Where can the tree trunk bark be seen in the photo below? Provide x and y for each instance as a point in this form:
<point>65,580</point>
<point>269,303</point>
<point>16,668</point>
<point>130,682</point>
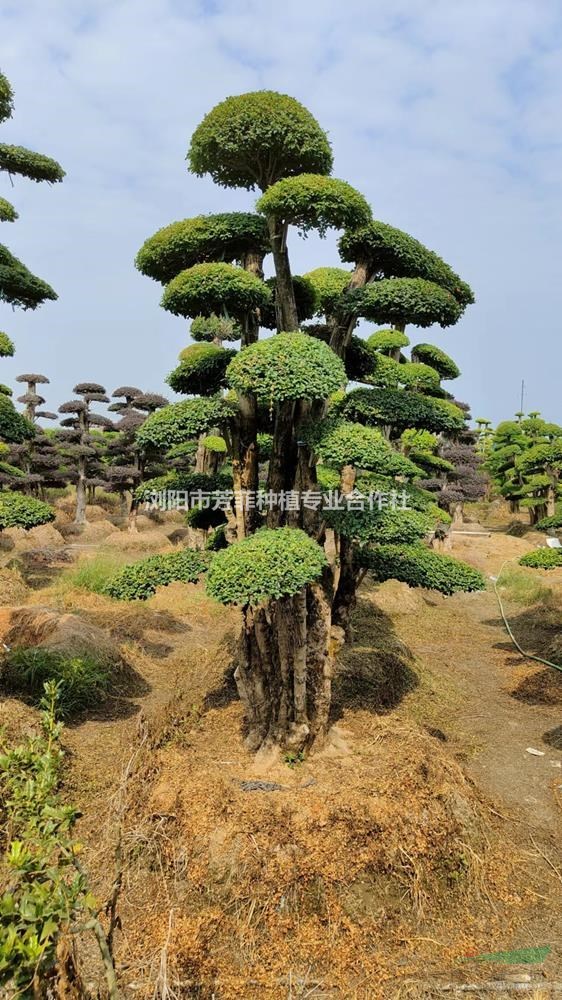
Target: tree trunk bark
<point>285,305</point>
<point>283,463</point>
<point>245,466</point>
<point>342,330</point>
<point>81,498</point>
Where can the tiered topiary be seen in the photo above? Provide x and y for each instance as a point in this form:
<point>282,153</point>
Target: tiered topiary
<point>524,458</point>
<point>286,410</point>
<point>81,446</point>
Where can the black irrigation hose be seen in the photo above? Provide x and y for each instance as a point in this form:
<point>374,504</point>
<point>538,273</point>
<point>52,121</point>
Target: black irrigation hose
<point>528,656</point>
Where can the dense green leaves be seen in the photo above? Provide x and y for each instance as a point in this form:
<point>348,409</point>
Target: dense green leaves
<point>312,201</point>
<point>7,211</point>
<point>382,526</point>
<point>549,522</point>
<point>139,581</point>
<point>338,442</point>
<point>217,328</point>
<point>6,99</point>
<point>419,566</point>
<point>18,285</point>
<point>178,422</point>
<point>14,428</point>
<point>406,300</point>
<point>19,511</point>
<point>6,346</point>
<point>388,340</point>
<point>185,482</point>
<point>226,236</point>
<point>201,370</point>
<point>289,366</point>
<point>438,359</point>
<point>83,681</point>
<point>270,564</point>
<point>255,139</point>
<point>329,283</point>
<point>215,288</point>
<point>402,409</point>
<point>391,253</point>
<point>26,163</point>
<point>542,559</point>
<point>305,301</point>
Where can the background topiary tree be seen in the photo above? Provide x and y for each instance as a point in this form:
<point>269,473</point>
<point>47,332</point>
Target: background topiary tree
<point>281,407</point>
<point>524,459</point>
<point>81,442</point>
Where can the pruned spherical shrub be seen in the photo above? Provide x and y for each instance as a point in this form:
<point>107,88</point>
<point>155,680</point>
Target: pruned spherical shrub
<point>201,371</point>
<point>286,367</point>
<point>215,288</point>
<point>555,521</point>
<point>438,359</point>
<point>546,558</point>
<point>314,201</point>
<point>177,422</point>
<point>388,340</point>
<point>14,427</point>
<point>419,566</point>
<point>406,300</point>
<point>339,442</point>
<point>184,482</point>
<point>329,284</point>
<point>139,581</point>
<point>382,526</point>
<point>272,563</point>
<point>393,253</point>
<point>402,409</point>
<point>385,372</point>
<point>213,327</point>
<point>83,680</point>
<point>226,236</point>
<point>214,443</point>
<point>305,301</point>
<point>6,346</point>
<point>19,511</point>
<point>254,139</point>
<point>416,375</point>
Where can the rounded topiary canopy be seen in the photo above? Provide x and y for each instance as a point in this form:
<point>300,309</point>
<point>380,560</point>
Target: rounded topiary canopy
<point>338,442</point>
<point>328,283</point>
<point>255,139</point>
<point>312,201</point>
<point>26,163</point>
<point>305,301</point>
<point>388,340</point>
<point>419,566</point>
<point>214,443</point>
<point>7,348</point>
<point>6,99</point>
<point>178,422</point>
<point>269,564</point>
<point>381,407</point>
<point>289,366</point>
<point>438,359</point>
<point>226,236</point>
<point>201,371</point>
<point>7,211</point>
<point>208,328</point>
<point>126,390</point>
<point>84,388</point>
<point>417,375</point>
<point>13,426</point>
<point>391,253</point>
<point>215,288</point>
<point>383,526</point>
<point>19,286</point>
<point>18,511</point>
<point>407,300</point>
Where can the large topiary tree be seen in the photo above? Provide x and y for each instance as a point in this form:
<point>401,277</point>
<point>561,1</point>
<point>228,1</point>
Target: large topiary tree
<point>281,407</point>
<point>81,446</point>
<point>524,458</point>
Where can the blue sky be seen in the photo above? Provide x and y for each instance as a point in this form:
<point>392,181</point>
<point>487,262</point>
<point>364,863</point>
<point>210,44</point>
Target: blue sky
<point>446,115</point>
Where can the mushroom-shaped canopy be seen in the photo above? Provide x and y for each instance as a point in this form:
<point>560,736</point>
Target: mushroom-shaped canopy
<point>67,433</point>
<point>386,525</point>
<point>95,481</point>
<point>98,420</point>
<point>438,359</point>
<point>69,422</point>
<point>150,401</point>
<point>419,566</point>
<point>214,443</point>
<point>130,423</point>
<point>339,442</point>
<point>118,407</point>
<point>73,406</point>
<point>396,408</point>
<point>227,236</point>
<point>7,211</point>
<point>87,387</point>
<point>96,397</point>
<point>272,563</point>
<point>305,301</point>
<point>126,390</point>
<point>201,371</point>
<point>406,300</point>
<point>26,163</point>
<point>313,201</point>
<point>6,346</point>
<point>31,399</point>
<point>214,328</point>
<point>417,375</point>
<point>38,379</point>
<point>329,283</point>
<point>178,422</point>
<point>388,340</point>
<point>287,367</point>
<point>215,288</point>
<point>391,253</point>
<point>255,139</point>
<point>18,285</point>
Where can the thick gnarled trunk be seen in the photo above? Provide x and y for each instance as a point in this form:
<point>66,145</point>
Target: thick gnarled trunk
<point>284,670</point>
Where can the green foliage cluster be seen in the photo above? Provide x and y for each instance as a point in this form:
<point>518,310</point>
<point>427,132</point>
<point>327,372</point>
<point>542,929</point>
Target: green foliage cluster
<point>437,359</point>
<point>14,427</point>
<point>406,300</point>
<point>6,346</point>
<point>387,340</point>
<point>83,681</point>
<point>305,301</point>
<point>392,253</point>
<point>7,211</point>
<point>339,442</point>
<point>201,371</point>
<point>18,285</point>
<point>383,526</point>
<point>215,288</point>
<point>524,458</point>
<point>555,521</point>
<point>6,99</point>
<point>19,511</point>
<point>419,566</point>
<point>138,581</point>
<point>416,375</point>
<point>314,201</point>
<point>402,409</point>
<point>45,890</point>
<point>329,284</point>
<point>255,139</point>
<point>542,559</point>
<point>184,482</point>
<point>178,422</point>
<point>286,367</point>
<point>213,327</point>
<point>226,236</point>
<point>35,166</point>
<point>214,443</point>
<point>272,563</point>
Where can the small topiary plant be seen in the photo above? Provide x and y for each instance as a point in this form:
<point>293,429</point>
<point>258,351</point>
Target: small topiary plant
<point>546,523</point>
<point>542,559</point>
<point>286,367</point>
<point>19,511</point>
<point>201,371</point>
<point>421,567</point>
<point>138,581</point>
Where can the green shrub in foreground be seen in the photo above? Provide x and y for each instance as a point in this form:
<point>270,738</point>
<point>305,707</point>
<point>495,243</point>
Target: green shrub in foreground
<point>83,681</point>
<point>419,566</point>
<point>549,522</point>
<point>139,580</point>
<point>542,559</point>
<point>19,511</point>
